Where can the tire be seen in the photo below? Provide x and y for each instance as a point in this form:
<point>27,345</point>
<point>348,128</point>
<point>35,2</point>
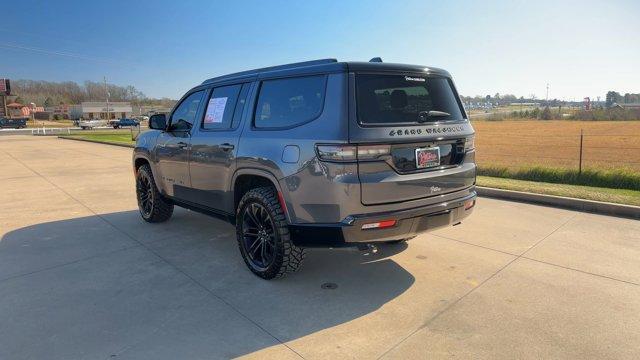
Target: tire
<point>153,207</point>
<point>264,239</point>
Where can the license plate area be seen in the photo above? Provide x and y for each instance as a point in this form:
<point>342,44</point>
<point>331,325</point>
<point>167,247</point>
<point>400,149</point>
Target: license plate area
<point>427,157</point>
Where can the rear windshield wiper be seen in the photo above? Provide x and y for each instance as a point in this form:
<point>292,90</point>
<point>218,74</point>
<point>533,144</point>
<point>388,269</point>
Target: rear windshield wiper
<point>424,116</point>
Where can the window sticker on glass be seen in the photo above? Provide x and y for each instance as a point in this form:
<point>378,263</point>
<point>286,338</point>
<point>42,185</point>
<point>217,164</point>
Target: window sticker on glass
<point>215,110</point>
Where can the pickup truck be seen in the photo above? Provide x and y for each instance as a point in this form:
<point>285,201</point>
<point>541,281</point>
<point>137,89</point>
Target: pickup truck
<point>124,123</point>
<point>13,123</point>
<point>90,124</point>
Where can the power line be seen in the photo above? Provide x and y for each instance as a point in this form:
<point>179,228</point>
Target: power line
<point>60,53</point>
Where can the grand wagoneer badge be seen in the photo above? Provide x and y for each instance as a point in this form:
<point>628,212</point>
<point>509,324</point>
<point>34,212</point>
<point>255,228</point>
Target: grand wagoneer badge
<point>427,130</point>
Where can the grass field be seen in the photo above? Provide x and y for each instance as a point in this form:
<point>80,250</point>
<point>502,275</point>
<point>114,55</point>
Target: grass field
<point>107,137</point>
<point>556,143</point>
<point>620,196</point>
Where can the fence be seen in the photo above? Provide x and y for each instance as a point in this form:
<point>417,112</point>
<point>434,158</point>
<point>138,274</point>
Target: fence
<point>50,131</point>
<point>580,151</point>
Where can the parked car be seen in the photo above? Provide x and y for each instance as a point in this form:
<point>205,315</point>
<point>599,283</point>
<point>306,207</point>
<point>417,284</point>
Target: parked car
<point>124,123</point>
<point>313,154</point>
<point>13,123</point>
<point>90,124</point>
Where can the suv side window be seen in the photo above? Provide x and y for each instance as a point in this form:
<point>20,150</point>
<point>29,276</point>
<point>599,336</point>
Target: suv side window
<point>221,107</point>
<point>184,116</point>
<point>289,102</point>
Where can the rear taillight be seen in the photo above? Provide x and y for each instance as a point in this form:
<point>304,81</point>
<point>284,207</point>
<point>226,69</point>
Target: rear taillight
<point>470,143</point>
<point>373,152</point>
<point>349,153</point>
<point>337,152</point>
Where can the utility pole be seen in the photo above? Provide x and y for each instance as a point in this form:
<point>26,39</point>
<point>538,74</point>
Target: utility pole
<point>106,90</point>
<point>547,99</point>
<point>580,159</point>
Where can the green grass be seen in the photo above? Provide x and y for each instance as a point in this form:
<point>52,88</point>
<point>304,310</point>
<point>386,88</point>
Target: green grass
<point>615,179</point>
<point>619,196</point>
<point>106,137</point>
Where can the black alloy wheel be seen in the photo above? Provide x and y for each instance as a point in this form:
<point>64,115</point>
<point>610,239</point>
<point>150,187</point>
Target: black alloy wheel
<point>145,196</point>
<point>153,206</point>
<point>258,235</point>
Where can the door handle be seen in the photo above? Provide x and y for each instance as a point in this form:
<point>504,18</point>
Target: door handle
<point>182,145</point>
<point>226,146</point>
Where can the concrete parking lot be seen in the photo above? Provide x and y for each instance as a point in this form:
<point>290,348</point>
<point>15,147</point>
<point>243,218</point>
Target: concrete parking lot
<point>83,277</point>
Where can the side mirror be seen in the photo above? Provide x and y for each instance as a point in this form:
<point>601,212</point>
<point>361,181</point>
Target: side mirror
<point>158,122</point>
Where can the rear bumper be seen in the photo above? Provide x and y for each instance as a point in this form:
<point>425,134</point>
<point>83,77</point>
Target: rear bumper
<point>409,222</point>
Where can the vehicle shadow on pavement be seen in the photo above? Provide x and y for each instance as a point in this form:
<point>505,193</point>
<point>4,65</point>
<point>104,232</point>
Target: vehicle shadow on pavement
<point>114,286</point>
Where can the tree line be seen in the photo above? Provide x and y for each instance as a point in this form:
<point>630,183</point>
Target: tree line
<point>48,93</point>
<point>557,113</point>
<point>614,97</point>
<point>499,99</point>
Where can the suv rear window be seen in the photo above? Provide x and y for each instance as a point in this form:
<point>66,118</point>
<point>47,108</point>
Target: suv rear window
<point>394,99</point>
<point>289,102</point>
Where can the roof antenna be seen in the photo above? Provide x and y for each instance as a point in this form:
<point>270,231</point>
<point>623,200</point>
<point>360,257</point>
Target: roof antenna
<point>376,59</point>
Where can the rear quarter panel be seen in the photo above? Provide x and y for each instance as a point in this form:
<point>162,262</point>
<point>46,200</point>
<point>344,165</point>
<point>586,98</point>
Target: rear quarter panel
<point>263,149</point>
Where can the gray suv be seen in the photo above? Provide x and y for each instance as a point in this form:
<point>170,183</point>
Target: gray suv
<point>313,154</point>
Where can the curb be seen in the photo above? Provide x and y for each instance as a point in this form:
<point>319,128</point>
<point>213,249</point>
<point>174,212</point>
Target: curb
<point>96,141</point>
<point>596,207</point>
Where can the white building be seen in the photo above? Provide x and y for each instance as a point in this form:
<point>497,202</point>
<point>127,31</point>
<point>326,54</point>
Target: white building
<point>98,110</point>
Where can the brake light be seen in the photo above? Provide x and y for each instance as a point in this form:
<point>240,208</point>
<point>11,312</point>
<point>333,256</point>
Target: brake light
<point>349,153</point>
<point>470,143</point>
<point>337,152</point>
<point>379,225</point>
<point>372,152</point>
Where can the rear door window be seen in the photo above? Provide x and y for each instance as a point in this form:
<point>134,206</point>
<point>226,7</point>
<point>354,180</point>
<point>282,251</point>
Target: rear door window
<point>289,102</point>
<point>394,99</point>
<point>221,107</point>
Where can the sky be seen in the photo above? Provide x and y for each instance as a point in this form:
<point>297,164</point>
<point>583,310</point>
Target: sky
<point>163,48</point>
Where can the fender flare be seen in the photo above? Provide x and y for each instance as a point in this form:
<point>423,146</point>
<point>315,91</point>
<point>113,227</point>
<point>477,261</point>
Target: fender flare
<point>271,177</point>
<point>141,155</point>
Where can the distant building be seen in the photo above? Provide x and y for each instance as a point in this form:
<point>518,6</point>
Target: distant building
<point>62,111</point>
<point>98,110</point>
<point>18,110</point>
<point>149,110</point>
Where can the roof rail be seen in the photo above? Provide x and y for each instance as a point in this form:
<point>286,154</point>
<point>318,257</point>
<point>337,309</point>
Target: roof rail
<point>272,68</point>
<point>297,65</point>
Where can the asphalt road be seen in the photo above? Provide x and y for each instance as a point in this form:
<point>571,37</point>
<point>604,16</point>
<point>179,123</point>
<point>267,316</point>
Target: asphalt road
<point>83,277</point>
